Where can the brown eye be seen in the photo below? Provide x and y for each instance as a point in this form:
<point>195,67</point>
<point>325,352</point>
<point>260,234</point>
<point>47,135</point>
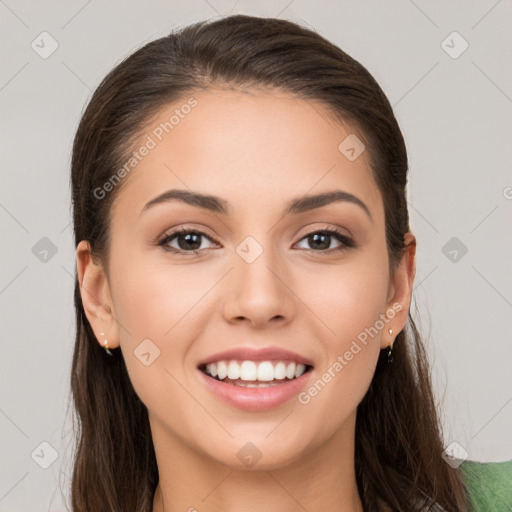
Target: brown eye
<point>321,241</point>
<point>188,241</point>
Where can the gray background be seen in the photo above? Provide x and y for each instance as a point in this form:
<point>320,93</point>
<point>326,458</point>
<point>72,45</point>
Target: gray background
<point>455,114</point>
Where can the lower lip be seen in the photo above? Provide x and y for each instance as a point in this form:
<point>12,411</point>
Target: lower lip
<point>255,399</point>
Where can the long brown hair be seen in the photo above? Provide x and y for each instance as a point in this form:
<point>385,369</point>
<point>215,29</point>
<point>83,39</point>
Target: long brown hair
<point>398,455</point>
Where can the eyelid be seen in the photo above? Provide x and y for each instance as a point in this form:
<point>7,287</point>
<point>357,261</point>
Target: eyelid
<point>186,228</point>
<point>174,232</point>
<point>329,227</point>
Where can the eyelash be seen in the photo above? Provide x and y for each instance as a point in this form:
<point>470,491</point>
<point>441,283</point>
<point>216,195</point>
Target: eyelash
<point>346,242</point>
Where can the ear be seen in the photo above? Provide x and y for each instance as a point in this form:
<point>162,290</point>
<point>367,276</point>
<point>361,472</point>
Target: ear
<point>400,290</point>
<point>96,297</point>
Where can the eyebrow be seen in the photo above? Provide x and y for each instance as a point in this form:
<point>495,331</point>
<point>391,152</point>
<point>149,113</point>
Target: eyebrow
<point>217,205</point>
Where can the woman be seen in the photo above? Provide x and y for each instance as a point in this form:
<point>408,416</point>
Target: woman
<point>244,276</point>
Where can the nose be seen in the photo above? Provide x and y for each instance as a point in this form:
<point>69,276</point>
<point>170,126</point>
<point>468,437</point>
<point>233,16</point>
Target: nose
<point>258,293</point>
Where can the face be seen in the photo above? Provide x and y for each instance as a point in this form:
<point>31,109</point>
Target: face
<point>256,269</point>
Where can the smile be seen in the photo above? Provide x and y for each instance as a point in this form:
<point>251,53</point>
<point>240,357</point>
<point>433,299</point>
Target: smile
<point>255,386</point>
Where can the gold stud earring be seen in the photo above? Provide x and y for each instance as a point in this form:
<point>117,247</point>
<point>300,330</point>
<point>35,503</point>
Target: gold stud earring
<point>107,350</point>
<point>390,351</point>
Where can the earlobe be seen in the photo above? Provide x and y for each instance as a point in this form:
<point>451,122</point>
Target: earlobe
<point>96,297</point>
<point>401,290</point>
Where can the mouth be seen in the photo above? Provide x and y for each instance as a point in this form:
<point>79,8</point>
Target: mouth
<point>255,379</point>
<point>254,374</point>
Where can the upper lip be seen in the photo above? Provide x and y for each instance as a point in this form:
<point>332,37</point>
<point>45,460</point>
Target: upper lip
<point>256,354</point>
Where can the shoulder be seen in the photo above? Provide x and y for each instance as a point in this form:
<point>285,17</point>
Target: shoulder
<point>488,484</point>
<point>488,487</point>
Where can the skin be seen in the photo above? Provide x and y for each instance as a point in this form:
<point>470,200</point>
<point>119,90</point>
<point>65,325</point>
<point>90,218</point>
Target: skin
<point>257,150</point>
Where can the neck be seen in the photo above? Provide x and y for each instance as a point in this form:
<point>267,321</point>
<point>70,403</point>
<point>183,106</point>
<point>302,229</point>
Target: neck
<point>321,479</point>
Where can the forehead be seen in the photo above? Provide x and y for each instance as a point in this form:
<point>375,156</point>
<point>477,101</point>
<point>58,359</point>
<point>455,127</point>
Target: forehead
<point>247,144</point>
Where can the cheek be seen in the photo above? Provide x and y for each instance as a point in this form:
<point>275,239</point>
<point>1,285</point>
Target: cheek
<point>349,360</point>
<point>152,304</point>
<point>348,298</point>
<point>152,297</point>
<point>160,308</point>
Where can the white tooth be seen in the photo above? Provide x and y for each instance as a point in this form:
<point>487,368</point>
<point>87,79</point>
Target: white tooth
<point>265,371</point>
<point>279,371</point>
<point>222,370</point>
<point>233,370</point>
<point>290,370</point>
<point>248,371</point>
<point>300,370</point>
